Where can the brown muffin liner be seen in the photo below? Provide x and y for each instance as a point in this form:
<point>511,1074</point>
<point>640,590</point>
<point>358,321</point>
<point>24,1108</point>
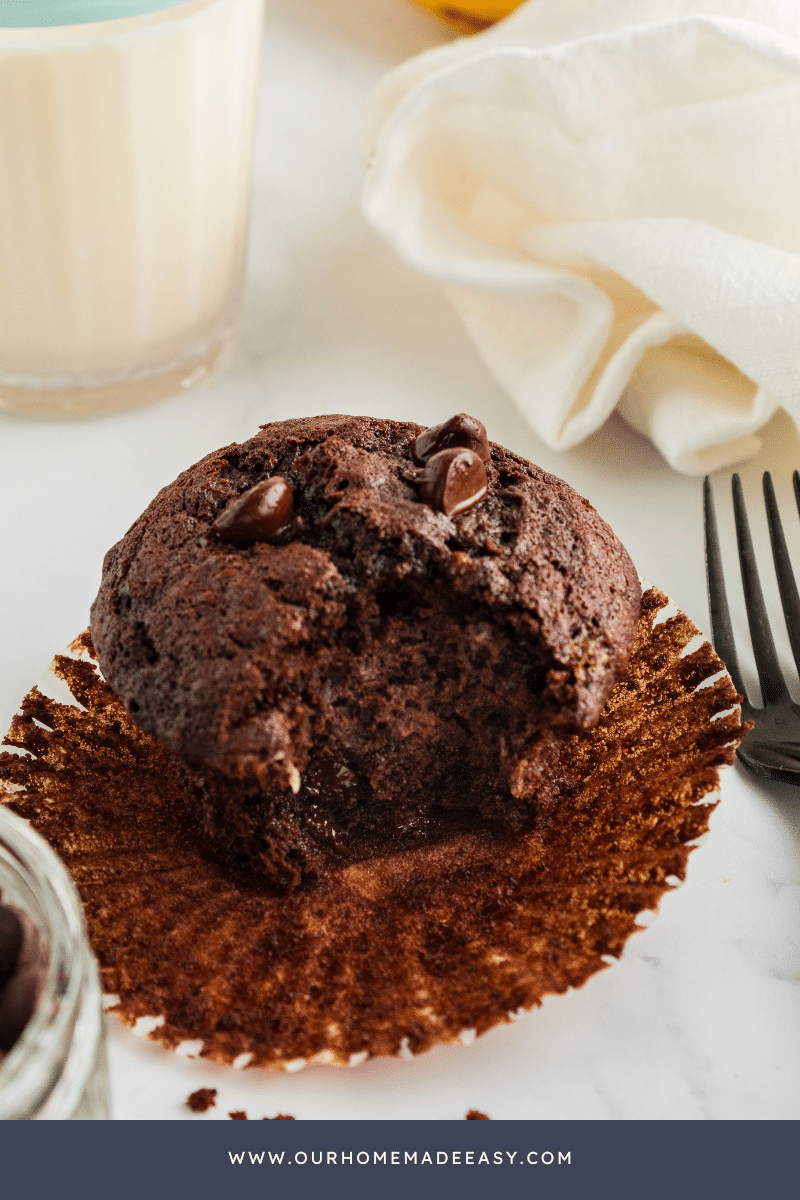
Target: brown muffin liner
<point>395,954</point>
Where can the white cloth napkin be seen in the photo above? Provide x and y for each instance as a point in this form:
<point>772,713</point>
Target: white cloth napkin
<point>610,190</point>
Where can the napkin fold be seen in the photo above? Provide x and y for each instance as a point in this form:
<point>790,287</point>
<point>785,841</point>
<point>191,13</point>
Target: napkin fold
<point>610,193</point>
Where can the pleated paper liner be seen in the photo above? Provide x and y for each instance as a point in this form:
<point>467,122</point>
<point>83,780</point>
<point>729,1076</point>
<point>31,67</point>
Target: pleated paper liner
<point>395,954</point>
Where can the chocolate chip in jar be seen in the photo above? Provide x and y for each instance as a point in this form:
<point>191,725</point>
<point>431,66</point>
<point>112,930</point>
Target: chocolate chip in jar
<point>10,942</point>
<point>23,969</point>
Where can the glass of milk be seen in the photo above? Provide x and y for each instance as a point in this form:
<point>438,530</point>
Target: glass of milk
<point>126,140</point>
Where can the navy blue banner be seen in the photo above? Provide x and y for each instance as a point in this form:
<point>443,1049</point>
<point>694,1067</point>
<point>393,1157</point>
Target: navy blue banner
<point>325,1160</point>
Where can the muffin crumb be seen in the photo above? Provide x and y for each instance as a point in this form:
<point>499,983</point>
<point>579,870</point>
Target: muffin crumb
<point>202,1100</point>
<point>239,1115</point>
<point>475,1114</point>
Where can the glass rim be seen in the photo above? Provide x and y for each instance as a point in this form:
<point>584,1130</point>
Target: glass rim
<point>41,14</point>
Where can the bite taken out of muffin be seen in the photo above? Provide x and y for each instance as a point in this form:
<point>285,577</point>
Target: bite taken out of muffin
<point>359,636</point>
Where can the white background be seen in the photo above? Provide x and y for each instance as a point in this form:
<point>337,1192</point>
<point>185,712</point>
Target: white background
<point>700,1018</point>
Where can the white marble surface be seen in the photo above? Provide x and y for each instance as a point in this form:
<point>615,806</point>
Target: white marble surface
<point>700,1018</point>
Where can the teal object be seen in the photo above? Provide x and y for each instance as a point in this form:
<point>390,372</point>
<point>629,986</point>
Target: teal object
<point>29,14</point>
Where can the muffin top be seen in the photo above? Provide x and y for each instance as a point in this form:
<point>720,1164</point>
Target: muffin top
<point>310,580</point>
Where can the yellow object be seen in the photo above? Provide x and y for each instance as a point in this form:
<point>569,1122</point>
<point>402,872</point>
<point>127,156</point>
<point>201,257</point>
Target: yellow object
<point>470,16</point>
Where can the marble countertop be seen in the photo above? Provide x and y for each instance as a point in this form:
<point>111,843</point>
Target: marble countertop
<point>699,1020</point>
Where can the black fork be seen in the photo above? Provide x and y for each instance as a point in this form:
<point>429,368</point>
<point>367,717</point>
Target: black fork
<point>772,748</point>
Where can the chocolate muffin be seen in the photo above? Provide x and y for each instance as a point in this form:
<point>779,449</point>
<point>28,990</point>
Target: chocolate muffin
<point>359,636</point>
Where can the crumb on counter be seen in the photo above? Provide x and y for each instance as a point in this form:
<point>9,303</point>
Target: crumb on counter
<point>280,1117</point>
<point>202,1100</point>
<point>238,1116</point>
<point>475,1114</point>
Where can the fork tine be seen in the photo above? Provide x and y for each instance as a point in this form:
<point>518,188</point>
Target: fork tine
<point>721,629</point>
<point>783,569</point>
<point>773,687</point>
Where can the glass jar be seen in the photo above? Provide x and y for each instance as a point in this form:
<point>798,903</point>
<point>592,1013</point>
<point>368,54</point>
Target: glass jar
<point>127,140</point>
<point>57,1068</point>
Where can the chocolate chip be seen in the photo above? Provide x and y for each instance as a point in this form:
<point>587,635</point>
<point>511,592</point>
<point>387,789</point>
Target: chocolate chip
<point>452,481</point>
<point>257,515</point>
<point>10,942</point>
<point>19,994</point>
<point>461,430</point>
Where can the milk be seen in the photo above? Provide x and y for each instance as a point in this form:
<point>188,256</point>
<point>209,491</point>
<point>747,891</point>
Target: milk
<point>125,166</point>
